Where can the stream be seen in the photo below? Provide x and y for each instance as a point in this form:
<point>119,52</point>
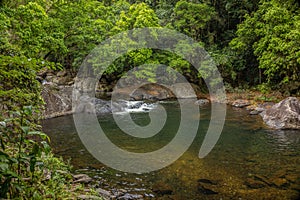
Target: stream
<point>249,160</point>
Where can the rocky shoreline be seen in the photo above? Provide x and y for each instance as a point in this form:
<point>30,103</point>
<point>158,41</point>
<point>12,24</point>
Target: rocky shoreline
<point>58,102</point>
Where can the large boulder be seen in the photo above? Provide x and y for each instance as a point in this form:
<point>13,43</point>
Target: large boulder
<point>153,91</point>
<point>58,100</point>
<point>283,115</point>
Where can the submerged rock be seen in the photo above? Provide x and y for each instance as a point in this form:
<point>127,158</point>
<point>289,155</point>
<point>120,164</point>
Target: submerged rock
<point>162,189</point>
<point>205,190</point>
<point>203,180</point>
<point>283,115</point>
<point>254,184</point>
<point>202,102</point>
<point>204,186</point>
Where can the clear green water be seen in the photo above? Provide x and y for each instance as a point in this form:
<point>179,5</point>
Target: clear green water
<point>249,161</point>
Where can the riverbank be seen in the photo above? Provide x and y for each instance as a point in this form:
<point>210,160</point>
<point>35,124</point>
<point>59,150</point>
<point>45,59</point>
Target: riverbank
<point>58,98</point>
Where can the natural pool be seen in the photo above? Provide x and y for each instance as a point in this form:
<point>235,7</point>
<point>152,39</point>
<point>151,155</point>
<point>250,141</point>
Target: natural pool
<point>249,160</point>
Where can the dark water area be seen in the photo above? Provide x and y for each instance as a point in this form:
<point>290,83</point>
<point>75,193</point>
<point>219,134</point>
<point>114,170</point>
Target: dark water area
<point>249,160</point>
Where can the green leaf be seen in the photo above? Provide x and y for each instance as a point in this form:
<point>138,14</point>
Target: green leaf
<point>46,146</point>
<point>40,134</point>
<point>25,129</point>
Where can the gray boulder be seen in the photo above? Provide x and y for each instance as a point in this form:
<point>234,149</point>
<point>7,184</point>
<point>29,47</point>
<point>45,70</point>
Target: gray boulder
<point>283,115</point>
<point>240,103</point>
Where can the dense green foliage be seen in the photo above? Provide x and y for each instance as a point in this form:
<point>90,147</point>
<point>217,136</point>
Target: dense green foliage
<point>28,169</point>
<point>263,35</point>
<point>272,35</point>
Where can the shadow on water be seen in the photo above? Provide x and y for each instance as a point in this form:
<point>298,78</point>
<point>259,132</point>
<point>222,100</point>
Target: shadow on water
<point>248,162</point>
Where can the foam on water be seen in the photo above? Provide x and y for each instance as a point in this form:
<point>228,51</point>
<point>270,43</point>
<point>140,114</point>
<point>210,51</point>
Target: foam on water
<point>139,106</point>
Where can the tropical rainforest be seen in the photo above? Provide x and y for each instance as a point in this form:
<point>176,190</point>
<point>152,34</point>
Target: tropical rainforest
<point>255,44</point>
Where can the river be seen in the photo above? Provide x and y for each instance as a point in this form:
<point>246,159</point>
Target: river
<point>249,160</point>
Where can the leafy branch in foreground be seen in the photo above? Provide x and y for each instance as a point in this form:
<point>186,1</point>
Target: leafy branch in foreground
<point>28,169</point>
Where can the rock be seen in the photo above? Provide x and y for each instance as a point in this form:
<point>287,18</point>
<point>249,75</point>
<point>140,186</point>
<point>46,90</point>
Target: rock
<point>292,177</point>
<point>58,100</point>
<point>61,80</point>
<point>280,182</point>
<point>49,78</point>
<point>201,102</point>
<point>43,72</point>
<point>88,197</point>
<point>85,85</point>
<point>162,189</point>
<point>130,196</point>
<point>254,112</point>
<point>149,195</point>
<point>81,178</point>
<point>184,90</point>
<point>240,103</point>
<point>85,104</point>
<point>262,179</point>
<point>152,92</point>
<point>257,110</point>
<point>206,181</point>
<point>205,190</point>
<point>103,192</point>
<point>283,115</point>
<point>254,184</point>
<point>204,186</point>
<point>62,73</point>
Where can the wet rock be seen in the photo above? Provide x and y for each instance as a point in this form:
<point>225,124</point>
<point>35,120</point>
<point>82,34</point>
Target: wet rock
<point>205,189</point>
<point>256,111</point>
<point>103,192</point>
<point>205,186</point>
<point>262,179</point>
<point>280,182</point>
<point>202,102</point>
<point>130,197</point>
<point>240,103</point>
<point>85,104</point>
<point>283,115</point>
<point>203,180</point>
<point>81,178</point>
<point>149,195</point>
<point>89,197</point>
<point>292,177</point>
<point>254,184</point>
<point>162,189</point>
